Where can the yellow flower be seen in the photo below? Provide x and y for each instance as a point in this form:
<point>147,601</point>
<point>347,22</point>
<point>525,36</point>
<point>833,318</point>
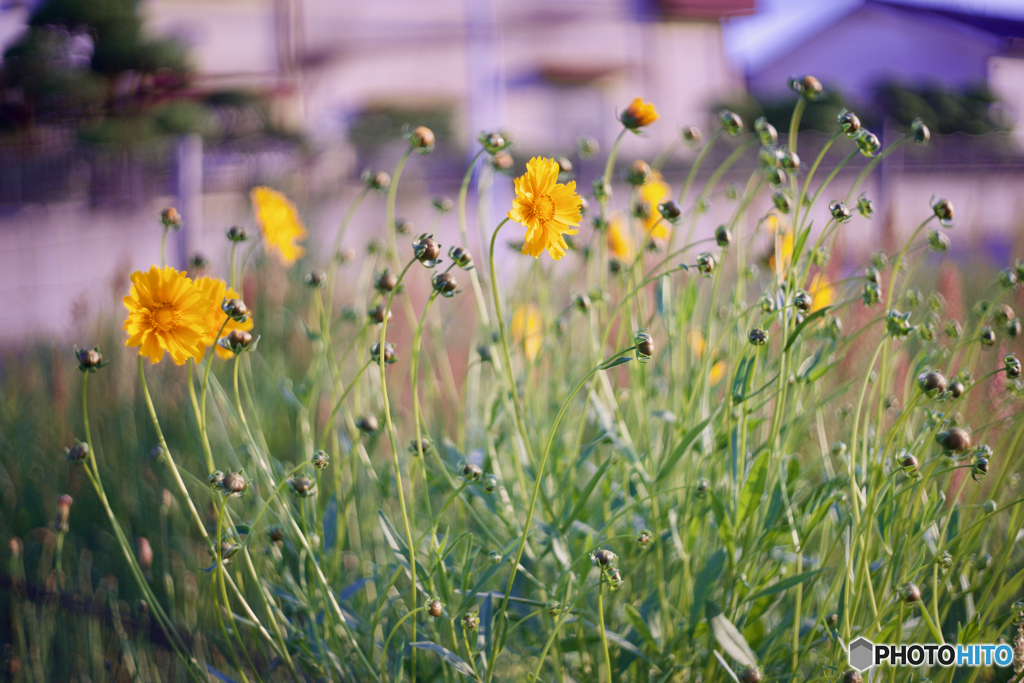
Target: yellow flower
<point>214,292</point>
<point>526,329</point>
<point>639,114</point>
<point>166,312</point>
<point>786,249</point>
<point>821,290</point>
<point>282,227</point>
<point>619,242</point>
<point>653,193</point>
<point>717,373</point>
<point>546,208</point>
<point>697,343</point>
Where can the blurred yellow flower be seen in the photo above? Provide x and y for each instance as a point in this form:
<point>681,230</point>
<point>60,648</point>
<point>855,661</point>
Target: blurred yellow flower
<point>639,114</point>
<point>526,329</point>
<point>696,341</point>
<point>786,249</point>
<point>282,227</point>
<point>652,193</point>
<point>717,373</point>
<point>546,208</point>
<point>166,312</point>
<point>214,292</point>
<point>619,242</point>
<point>772,221</point>
<point>821,291</point>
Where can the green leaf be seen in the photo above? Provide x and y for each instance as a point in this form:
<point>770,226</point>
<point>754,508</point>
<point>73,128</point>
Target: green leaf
<point>581,502</point>
<point>703,583</point>
<point>636,620</point>
<point>687,302</point>
<point>621,360</point>
<point>729,637</point>
<point>680,449</point>
<point>753,489</point>
<point>780,586</point>
<point>447,655</point>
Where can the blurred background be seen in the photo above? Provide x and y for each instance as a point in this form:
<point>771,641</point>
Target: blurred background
<point>111,110</point>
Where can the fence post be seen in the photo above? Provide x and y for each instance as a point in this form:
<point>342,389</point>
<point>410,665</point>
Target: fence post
<point>189,189</point>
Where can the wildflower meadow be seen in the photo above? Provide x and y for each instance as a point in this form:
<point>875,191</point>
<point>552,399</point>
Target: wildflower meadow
<point>610,441</point>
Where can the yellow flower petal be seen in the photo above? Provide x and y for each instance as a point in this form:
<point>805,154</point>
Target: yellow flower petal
<point>619,243</point>
<point>279,220</point>
<point>717,373</point>
<point>526,329</point>
<point>546,208</point>
<point>165,313</point>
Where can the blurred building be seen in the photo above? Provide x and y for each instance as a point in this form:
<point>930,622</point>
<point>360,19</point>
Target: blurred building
<point>550,71</point>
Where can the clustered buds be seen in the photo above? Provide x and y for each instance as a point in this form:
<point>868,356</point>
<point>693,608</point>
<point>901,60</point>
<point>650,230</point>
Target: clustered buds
<point>427,251</point>
<point>89,360</point>
<point>644,346</point>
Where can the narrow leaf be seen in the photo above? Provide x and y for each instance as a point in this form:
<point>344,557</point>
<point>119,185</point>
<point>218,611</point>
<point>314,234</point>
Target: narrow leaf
<point>447,655</point>
<point>729,637</point>
<point>753,489</point>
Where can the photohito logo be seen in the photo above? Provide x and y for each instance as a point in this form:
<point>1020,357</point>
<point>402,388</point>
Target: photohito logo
<point>863,654</point>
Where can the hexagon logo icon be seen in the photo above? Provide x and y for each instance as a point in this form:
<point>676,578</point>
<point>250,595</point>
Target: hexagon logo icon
<point>862,654</point>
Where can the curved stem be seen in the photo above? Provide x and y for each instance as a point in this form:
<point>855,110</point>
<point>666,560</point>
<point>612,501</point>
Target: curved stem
<point>202,397</point>
<point>334,412</point>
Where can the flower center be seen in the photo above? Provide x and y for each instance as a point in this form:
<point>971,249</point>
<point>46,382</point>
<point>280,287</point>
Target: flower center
<point>543,207</point>
<point>164,317</point>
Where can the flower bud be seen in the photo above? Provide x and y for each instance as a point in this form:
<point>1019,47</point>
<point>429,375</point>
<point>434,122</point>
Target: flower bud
<point>897,325</point>
<point>956,389</point>
<point>492,142</point>
<point>723,236</point>
<point>144,551</point>
<point>938,242</point>
<point>320,460</point>
<point>920,132</point>
<point>638,114</point>
<point>706,263</point>
<point>644,346</point>
<point>237,233</point>
<point>198,262</point>
<point>807,87</point>
<point>803,300</point>
<point>731,122</point>
<point>367,424</point>
<point>442,204</point>
<point>376,180</point>
<point>758,336</point>
<point>421,139</point>
<point>60,522</point>
<point>670,211</point>
<point>908,463</point>
<point>848,122</point>
<point>989,507</point>
<point>379,313</point>
<point>751,675</point>
<point>461,257</point>
<point>782,201</point>
<point>471,472</point>
<point>316,279</point>
<point>142,608</point>
<point>766,131</point>
<point>833,327</point>
<point>233,484</point>
<point>78,453</point>
<point>427,251</point>
<point>988,336</point>
<point>691,135</point>
<point>868,142</point>
<point>303,487</point>
<point>979,467</point>
<point>435,608</point>
<point>1013,327</point>
<point>89,360</point>
<point>911,593</point>
<point>775,176</point>
<point>604,558</point>
<point>469,621</point>
<point>644,539</point>
<point>853,676</point>
<point>385,281</point>
<point>872,294</point>
<point>865,206</point>
<point>445,284</point>
<point>932,383</point>
<point>485,353</point>
<point>171,219</point>
<point>587,147</point>
<point>581,302</point>
<point>840,214</point>
<point>502,162</point>
<point>275,534</point>
<point>346,255</point>
<point>1003,314</point>
<point>955,440</point>
<point>1012,366</point>
<point>1007,278</point>
<point>638,172</point>
<point>235,309</point>
<point>790,160</point>
<point>490,483</point>
<point>943,211</point>
<point>702,487</point>
<point>423,445</point>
